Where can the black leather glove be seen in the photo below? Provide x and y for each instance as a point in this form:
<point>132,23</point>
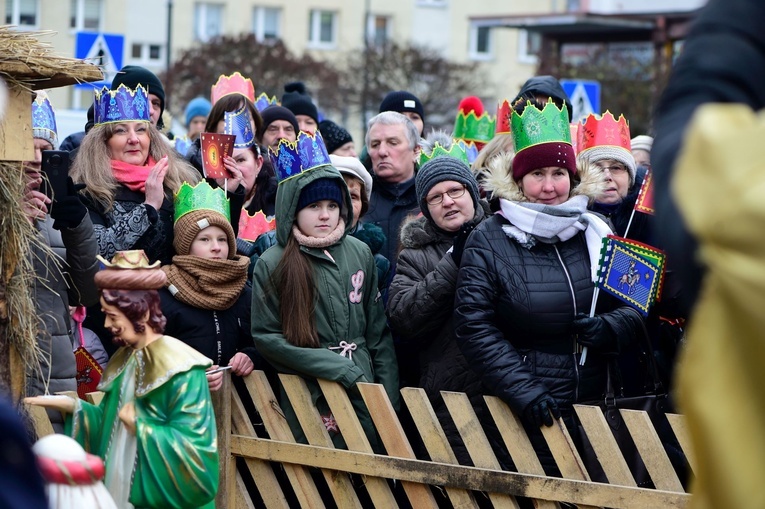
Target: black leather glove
<point>68,211</point>
<point>593,332</point>
<point>538,411</point>
<point>459,241</point>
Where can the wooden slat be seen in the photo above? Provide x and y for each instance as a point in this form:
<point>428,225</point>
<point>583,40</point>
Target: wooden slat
<point>435,441</point>
<point>241,499</point>
<point>278,429</point>
<point>604,444</point>
<point>552,488</point>
<point>475,440</point>
<point>40,420</point>
<point>394,439</point>
<point>651,450</point>
<point>94,397</point>
<point>261,471</point>
<point>356,439</point>
<point>680,428</point>
<point>221,401</point>
<point>517,443</point>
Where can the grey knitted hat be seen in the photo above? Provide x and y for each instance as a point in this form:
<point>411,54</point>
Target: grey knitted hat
<point>438,170</point>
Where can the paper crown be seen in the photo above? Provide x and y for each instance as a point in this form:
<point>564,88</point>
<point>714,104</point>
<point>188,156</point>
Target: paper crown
<point>604,131</point>
<point>239,123</point>
<point>474,128</point>
<point>44,118</point>
<point>182,144</point>
<point>121,105</point>
<point>132,259</point>
<point>200,197</point>
<point>252,227</point>
<point>471,150</point>
<point>263,101</point>
<point>458,150</point>
<point>576,135</point>
<point>294,157</point>
<point>504,114</point>
<point>534,126</point>
<point>233,84</point>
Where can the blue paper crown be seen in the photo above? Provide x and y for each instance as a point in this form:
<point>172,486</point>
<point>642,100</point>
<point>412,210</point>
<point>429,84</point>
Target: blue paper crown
<point>263,101</point>
<point>291,158</point>
<point>239,124</point>
<point>471,151</point>
<point>121,105</point>
<point>44,118</point>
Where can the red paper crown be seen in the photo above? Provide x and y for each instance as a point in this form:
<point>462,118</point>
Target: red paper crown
<point>576,136</point>
<point>504,112</point>
<point>604,131</point>
<point>234,84</point>
<point>251,227</point>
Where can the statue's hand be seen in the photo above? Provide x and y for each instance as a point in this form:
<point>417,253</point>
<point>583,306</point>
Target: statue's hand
<point>55,402</point>
<point>127,416</point>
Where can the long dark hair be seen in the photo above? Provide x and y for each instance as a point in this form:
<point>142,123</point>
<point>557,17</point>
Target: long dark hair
<point>231,102</point>
<point>295,284</point>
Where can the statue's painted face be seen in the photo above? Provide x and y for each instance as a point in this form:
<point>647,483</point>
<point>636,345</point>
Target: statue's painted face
<point>120,326</point>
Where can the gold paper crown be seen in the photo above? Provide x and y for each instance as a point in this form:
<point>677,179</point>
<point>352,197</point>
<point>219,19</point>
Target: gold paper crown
<point>233,84</point>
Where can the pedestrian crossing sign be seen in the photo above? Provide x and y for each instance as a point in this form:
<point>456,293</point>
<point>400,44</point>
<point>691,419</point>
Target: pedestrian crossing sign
<point>104,50</point>
<point>584,96</point>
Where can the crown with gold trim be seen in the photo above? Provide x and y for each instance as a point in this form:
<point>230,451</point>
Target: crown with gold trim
<point>291,158</point>
<point>263,101</point>
<point>504,114</point>
<point>233,84</point>
<point>200,197</point>
<point>576,137</point>
<point>535,126</point>
<point>472,122</point>
<point>253,226</point>
<point>121,105</point>
<point>471,150</point>
<point>457,150</point>
<point>604,131</point>
<point>239,124</point>
<point>44,119</point>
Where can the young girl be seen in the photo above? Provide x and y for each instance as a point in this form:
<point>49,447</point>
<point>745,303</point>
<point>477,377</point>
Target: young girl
<point>316,308</point>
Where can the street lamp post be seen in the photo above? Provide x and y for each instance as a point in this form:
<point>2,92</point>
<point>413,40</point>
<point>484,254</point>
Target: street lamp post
<point>168,51</point>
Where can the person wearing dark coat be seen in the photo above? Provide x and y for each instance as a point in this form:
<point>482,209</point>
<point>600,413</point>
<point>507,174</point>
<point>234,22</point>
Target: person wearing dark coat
<point>538,90</point>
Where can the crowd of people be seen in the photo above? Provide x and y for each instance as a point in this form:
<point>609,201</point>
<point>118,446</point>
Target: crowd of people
<point>418,258</point>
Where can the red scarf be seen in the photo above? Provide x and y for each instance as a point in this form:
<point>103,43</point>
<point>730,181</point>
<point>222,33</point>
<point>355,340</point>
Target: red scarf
<point>132,176</point>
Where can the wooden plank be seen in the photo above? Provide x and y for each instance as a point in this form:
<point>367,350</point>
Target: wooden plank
<point>517,443</point>
<point>394,439</point>
<point>604,444</point>
<point>475,440</point>
<point>680,428</point>
<point>435,441</point>
<point>310,421</point>
<point>356,439</point>
<point>278,429</point>
<point>261,471</point>
<point>531,486</point>
<point>651,450</point>
<point>16,144</point>
<point>40,420</point>
<point>94,397</point>
<point>242,499</point>
<point>221,400</point>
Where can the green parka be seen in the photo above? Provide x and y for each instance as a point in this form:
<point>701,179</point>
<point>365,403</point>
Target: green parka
<point>348,308</point>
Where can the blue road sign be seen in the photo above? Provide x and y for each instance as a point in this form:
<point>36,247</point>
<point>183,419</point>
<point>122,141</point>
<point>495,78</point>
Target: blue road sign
<point>104,50</point>
<point>584,96</point>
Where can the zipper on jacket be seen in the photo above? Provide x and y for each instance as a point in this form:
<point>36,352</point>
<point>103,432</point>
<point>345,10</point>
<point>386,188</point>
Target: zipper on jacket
<point>573,300</point>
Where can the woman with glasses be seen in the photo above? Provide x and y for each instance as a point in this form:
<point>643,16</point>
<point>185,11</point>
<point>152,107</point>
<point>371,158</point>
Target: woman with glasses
<point>421,295</point>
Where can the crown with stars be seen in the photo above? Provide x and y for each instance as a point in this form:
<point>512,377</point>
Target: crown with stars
<point>263,101</point>
<point>233,84</point>
<point>291,158</point>
<point>535,126</point>
<point>121,105</point>
<point>253,226</point>
<point>202,196</point>
<point>239,123</point>
<point>44,118</point>
<point>604,131</point>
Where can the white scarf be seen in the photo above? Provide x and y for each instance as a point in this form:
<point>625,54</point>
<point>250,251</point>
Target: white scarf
<point>537,222</point>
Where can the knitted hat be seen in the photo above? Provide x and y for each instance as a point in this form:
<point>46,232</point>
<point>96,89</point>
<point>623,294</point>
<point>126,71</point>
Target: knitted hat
<point>352,166</point>
<point>334,135</point>
<point>189,225</point>
<point>197,107</point>
<point>440,169</point>
<point>298,101</point>
<point>642,142</point>
<point>132,75</point>
<point>275,112</point>
<point>320,189</point>
<point>402,101</point>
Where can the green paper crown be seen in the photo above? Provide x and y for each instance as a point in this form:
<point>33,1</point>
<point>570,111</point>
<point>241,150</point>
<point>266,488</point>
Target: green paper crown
<point>472,128</point>
<point>200,197</point>
<point>455,151</point>
<point>534,127</point>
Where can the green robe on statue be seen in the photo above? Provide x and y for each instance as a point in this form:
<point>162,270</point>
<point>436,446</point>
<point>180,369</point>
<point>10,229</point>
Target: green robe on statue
<point>172,461</point>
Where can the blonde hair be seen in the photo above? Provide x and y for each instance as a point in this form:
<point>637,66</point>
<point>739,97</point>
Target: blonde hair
<point>500,143</point>
<point>92,166</point>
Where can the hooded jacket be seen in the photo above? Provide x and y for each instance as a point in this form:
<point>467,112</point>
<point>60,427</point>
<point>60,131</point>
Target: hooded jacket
<point>544,86</point>
<point>348,309</point>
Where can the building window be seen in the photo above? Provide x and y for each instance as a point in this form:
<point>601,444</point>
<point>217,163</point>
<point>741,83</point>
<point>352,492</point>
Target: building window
<point>86,15</point>
<point>378,28</point>
<point>322,30</point>
<point>266,22</point>
<point>481,43</point>
<point>145,53</point>
<point>208,21</point>
<point>431,3</point>
<point>22,13</point>
<point>529,46</point>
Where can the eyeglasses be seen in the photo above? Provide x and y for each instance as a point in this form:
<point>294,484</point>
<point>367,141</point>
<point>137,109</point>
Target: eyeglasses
<point>454,193</point>
<point>614,170</point>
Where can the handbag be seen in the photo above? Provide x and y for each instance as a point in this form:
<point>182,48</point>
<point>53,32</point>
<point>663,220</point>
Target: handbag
<point>656,403</point>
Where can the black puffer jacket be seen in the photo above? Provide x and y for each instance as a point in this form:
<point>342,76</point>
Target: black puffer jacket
<point>513,312</point>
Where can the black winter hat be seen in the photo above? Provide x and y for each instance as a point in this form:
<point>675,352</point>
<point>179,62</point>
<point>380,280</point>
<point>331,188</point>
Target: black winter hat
<point>133,75</point>
<point>276,112</point>
<point>402,101</point>
<point>297,100</point>
<point>320,189</point>
<point>335,136</point>
<point>440,169</point>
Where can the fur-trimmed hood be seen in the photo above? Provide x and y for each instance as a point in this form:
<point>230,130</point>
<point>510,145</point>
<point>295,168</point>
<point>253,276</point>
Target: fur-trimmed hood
<point>419,232</point>
<point>498,180</point>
